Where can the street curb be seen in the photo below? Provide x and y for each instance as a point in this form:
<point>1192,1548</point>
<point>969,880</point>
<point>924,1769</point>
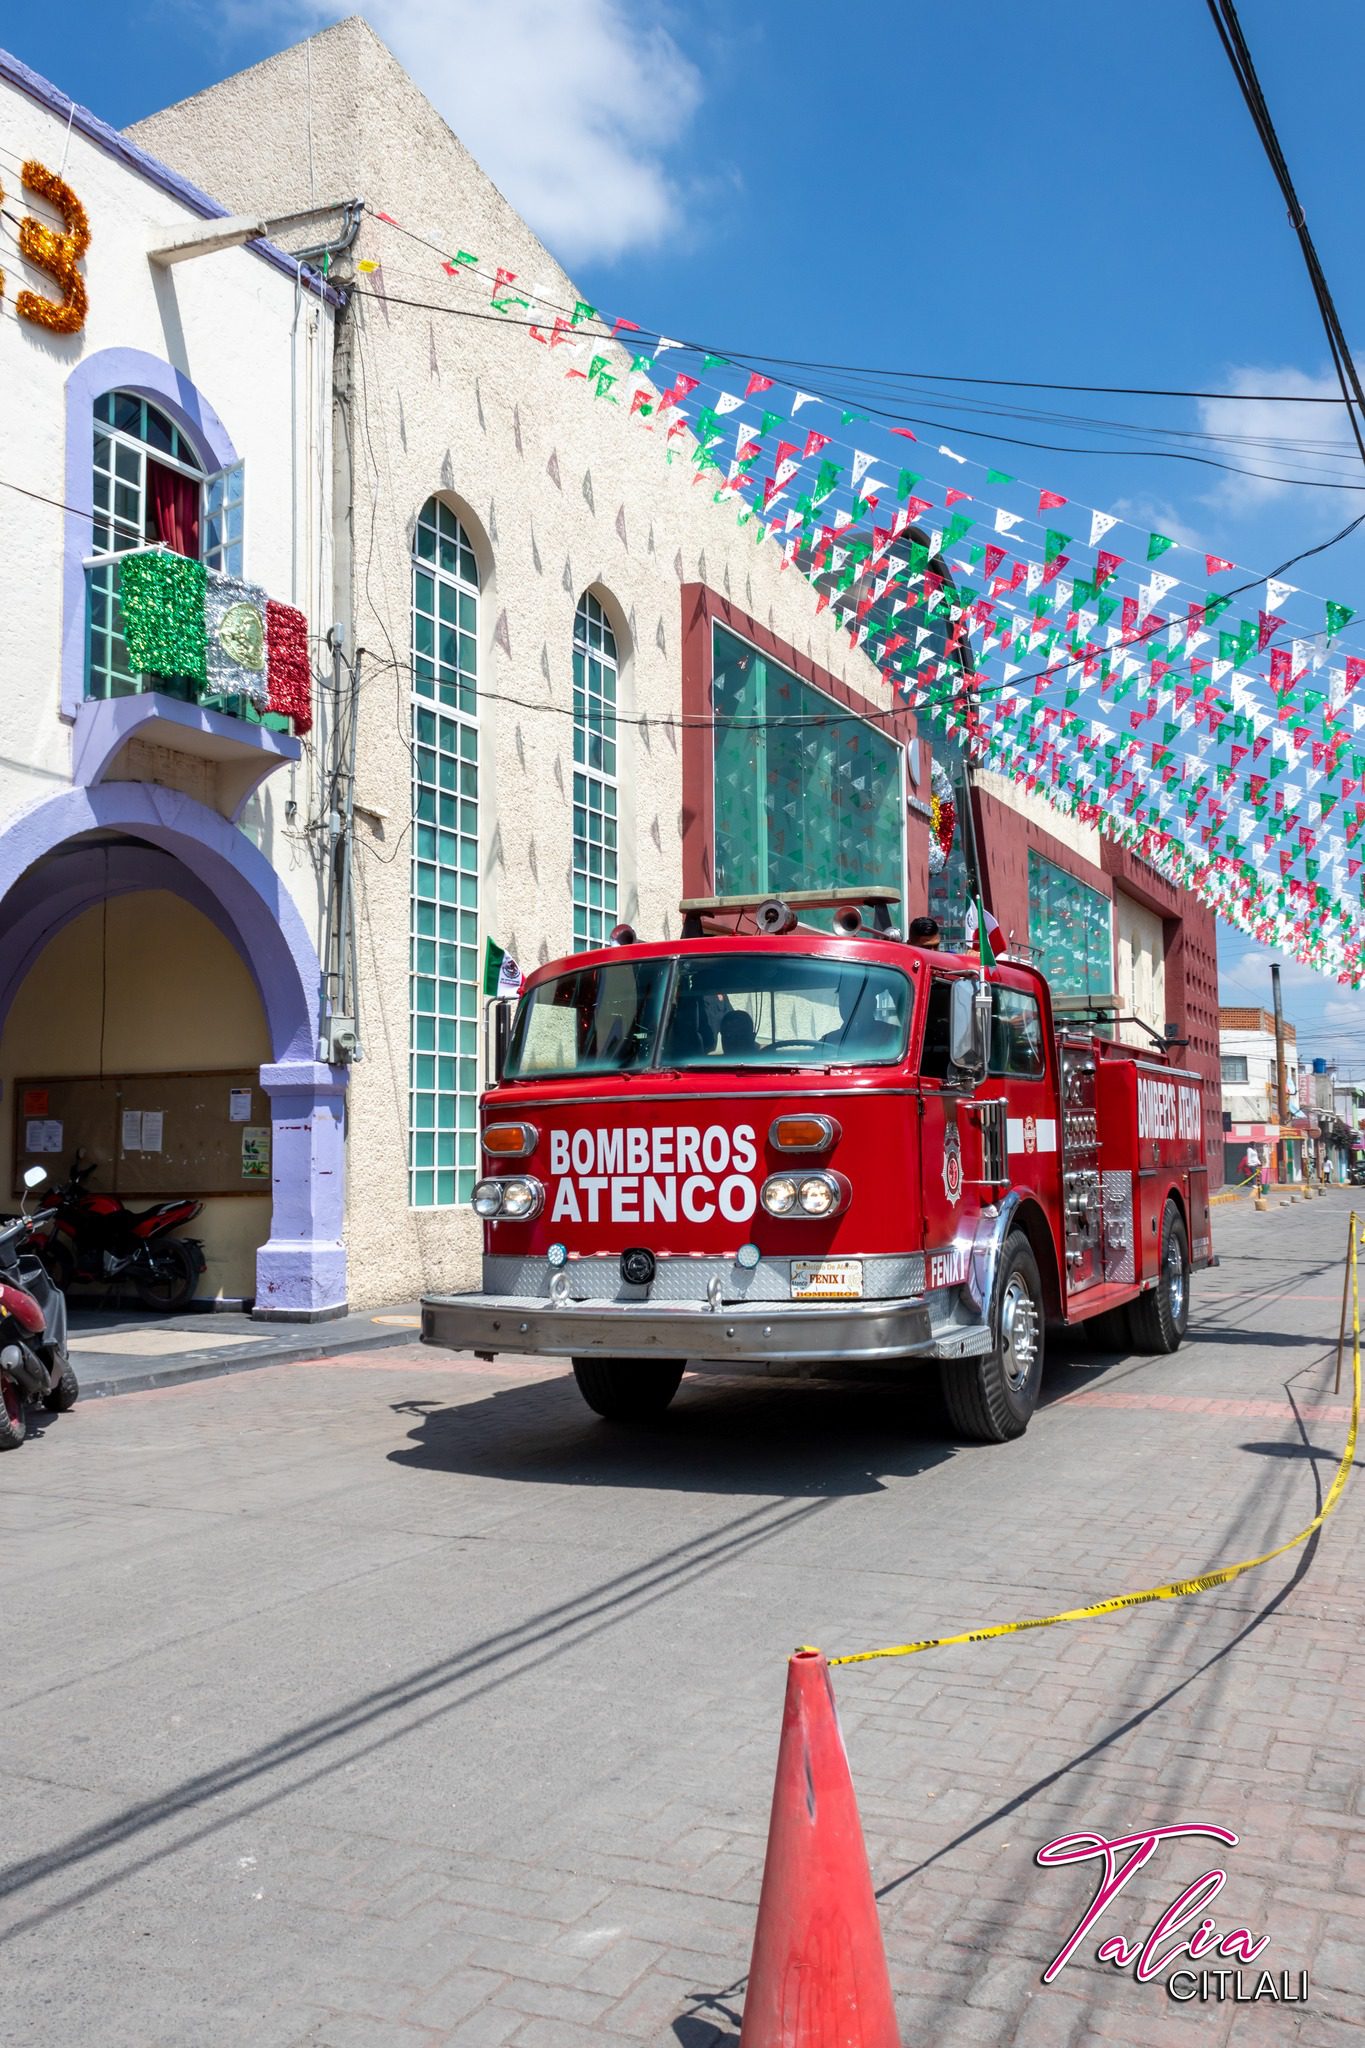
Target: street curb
<point>245,1361</point>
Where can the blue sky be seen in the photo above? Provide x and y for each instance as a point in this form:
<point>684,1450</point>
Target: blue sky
<point>1070,194</point>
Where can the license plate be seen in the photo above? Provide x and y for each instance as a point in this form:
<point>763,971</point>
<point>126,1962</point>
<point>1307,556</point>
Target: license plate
<point>827,1279</point>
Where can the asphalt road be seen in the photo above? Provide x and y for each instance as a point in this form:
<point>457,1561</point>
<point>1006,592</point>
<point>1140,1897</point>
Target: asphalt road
<point>395,1699</point>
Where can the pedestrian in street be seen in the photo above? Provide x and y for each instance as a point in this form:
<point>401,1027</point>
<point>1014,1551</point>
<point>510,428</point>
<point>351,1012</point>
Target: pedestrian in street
<point>1251,1167</point>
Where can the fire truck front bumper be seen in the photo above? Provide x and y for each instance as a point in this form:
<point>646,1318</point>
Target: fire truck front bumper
<point>764,1334</point>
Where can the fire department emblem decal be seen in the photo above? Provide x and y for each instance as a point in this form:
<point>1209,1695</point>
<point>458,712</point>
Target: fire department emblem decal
<point>952,1165</point>
<point>1030,1135</point>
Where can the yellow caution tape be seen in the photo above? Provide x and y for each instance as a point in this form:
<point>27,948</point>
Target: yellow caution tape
<point>1179,1589</point>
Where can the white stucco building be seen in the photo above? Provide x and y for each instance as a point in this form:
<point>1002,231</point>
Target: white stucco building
<point>165,524</point>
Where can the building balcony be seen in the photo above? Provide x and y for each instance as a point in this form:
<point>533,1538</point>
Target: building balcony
<point>220,714</point>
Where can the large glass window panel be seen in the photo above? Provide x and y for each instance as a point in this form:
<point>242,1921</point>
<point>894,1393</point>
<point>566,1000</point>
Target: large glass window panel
<point>807,794</point>
<point>1070,930</point>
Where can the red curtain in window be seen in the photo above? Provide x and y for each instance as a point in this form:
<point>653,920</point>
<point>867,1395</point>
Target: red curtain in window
<point>173,510</point>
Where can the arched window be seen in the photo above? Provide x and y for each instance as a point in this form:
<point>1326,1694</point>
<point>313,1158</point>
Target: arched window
<point>444,977</point>
<point>594,776</point>
<point>149,490</point>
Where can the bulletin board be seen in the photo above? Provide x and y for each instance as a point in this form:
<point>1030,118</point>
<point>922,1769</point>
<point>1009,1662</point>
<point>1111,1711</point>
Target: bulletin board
<point>149,1134</point>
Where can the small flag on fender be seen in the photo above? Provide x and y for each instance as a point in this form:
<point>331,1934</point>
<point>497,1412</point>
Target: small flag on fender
<point>501,974</point>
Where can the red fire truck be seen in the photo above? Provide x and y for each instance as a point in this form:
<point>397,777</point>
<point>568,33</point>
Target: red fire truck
<point>821,1152</point>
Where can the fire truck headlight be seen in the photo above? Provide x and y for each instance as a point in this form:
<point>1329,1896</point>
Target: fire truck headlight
<point>522,1198</point>
<point>820,1194</point>
<point>486,1199</point>
<point>778,1195</point>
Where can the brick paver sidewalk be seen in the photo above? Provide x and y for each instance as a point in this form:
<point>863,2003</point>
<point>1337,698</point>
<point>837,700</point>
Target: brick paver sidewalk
<point>396,1700</point>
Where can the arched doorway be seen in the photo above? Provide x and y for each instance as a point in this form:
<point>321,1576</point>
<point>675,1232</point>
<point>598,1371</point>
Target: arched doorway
<point>86,847</point>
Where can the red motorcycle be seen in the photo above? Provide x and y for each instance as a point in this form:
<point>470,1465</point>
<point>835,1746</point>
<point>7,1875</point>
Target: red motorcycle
<point>96,1241</point>
<point>33,1360</point>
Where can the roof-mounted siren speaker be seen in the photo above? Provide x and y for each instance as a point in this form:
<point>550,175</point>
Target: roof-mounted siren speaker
<point>774,917</point>
<point>848,921</point>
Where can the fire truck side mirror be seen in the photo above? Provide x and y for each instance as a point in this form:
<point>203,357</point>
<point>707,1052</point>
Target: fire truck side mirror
<point>969,1023</point>
<point>497,1033</point>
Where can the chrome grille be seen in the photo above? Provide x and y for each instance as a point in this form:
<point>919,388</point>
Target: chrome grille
<point>886,1277</point>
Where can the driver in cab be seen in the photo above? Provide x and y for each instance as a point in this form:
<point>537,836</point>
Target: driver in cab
<point>863,1033</point>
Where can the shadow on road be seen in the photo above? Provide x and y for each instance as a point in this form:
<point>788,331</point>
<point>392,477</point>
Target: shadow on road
<point>792,1439</point>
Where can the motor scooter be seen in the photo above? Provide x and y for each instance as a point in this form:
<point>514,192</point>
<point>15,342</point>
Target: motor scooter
<point>34,1365</point>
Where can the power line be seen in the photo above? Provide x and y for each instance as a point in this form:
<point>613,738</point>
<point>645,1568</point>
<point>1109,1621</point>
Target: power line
<point>1224,16</point>
<point>993,434</point>
<point>932,376</point>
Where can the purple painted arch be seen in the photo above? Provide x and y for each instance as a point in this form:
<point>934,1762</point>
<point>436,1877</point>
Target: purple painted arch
<point>223,874</point>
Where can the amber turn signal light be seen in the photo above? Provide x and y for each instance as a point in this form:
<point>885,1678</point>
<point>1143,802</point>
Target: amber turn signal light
<point>804,1133</point>
<point>510,1141</point>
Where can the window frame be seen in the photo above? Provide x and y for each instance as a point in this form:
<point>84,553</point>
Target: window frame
<point>596,785</point>
<point>717,622</point>
<point>103,615</point>
<point>444,908</point>
<point>1063,985</point>
<point>1234,1059</point>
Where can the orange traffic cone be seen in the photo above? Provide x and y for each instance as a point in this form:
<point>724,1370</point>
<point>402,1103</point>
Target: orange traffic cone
<point>818,1976</point>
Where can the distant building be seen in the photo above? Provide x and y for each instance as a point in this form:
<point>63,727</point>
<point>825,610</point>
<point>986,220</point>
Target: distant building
<point>1250,1107</point>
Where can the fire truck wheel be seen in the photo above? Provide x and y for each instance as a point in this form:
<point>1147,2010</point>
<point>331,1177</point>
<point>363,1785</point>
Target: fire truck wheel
<point>627,1389</point>
<point>1159,1317</point>
<point>991,1399</point>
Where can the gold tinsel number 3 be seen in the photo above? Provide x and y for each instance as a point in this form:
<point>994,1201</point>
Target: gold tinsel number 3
<point>56,254</point>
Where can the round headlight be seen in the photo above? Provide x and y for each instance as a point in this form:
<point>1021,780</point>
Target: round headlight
<point>486,1199</point>
<point>779,1195</point>
<point>818,1195</point>
<point>520,1199</point>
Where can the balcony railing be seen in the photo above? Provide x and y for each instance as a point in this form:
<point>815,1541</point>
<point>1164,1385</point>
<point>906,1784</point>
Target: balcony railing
<point>109,674</point>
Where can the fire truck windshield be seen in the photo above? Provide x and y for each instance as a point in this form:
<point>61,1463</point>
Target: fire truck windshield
<point>747,1009</point>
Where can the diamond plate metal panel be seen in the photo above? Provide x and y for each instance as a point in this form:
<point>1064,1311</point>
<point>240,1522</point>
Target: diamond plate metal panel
<point>1116,1197</point>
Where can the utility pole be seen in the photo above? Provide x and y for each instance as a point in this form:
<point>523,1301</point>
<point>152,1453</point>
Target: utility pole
<point>1281,1092</point>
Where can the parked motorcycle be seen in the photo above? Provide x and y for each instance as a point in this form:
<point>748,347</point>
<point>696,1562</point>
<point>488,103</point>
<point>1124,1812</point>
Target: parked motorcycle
<point>95,1240</point>
<point>34,1365</point>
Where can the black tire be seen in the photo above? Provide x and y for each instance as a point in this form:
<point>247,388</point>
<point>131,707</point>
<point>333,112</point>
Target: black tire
<point>13,1427</point>
<point>991,1399</point>
<point>172,1284</point>
<point>66,1393</point>
<point>627,1389</point>
<point>1159,1318</point>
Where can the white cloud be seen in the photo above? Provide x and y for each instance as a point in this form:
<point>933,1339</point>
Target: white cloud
<point>570,106</point>
<point>1321,435</point>
<point>1157,515</point>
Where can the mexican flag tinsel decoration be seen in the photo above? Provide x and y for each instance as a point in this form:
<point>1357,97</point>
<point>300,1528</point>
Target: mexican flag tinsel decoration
<point>289,673</point>
<point>161,596</point>
<point>1207,716</point>
<point>182,620</point>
